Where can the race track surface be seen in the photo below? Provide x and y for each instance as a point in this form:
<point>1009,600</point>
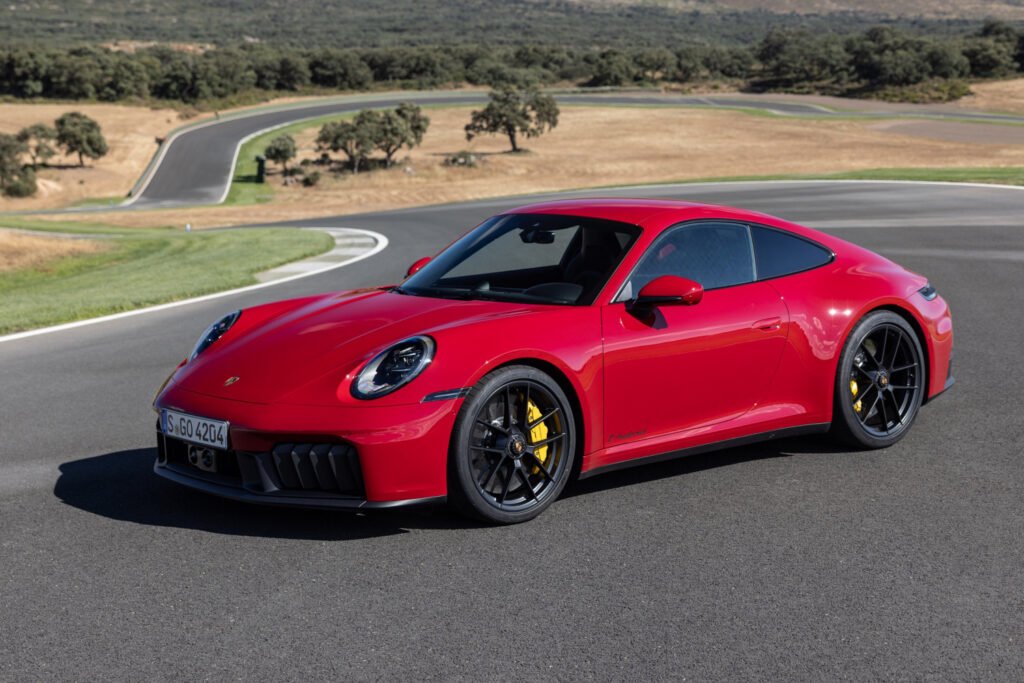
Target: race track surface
<point>197,165</point>
<point>788,560</point>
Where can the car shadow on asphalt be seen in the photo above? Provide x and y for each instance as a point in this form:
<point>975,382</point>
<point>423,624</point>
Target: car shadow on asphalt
<point>685,464</point>
<point>122,486</point>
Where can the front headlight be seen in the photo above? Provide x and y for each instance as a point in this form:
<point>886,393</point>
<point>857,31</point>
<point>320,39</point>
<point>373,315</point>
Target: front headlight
<point>393,368</point>
<point>213,333</point>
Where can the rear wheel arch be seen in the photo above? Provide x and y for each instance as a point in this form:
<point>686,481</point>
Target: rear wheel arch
<point>922,339</point>
<point>910,320</point>
<point>845,423</point>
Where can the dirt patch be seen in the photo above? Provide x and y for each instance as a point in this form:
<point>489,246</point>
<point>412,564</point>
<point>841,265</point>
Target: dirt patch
<point>596,146</point>
<point>1000,96</point>
<point>20,250</point>
<point>131,134</point>
<point>951,131</point>
<point>133,46</point>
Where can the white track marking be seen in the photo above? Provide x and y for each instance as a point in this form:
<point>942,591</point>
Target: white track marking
<point>162,152</point>
<point>382,243</point>
<point>497,201</point>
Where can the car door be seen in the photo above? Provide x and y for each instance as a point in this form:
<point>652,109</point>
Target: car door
<point>684,367</point>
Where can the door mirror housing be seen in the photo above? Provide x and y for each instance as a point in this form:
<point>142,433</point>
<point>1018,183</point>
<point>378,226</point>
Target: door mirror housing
<point>415,267</point>
<point>669,290</point>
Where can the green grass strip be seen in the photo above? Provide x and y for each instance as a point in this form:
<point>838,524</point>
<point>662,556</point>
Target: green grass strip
<point>244,188</point>
<point>144,268</point>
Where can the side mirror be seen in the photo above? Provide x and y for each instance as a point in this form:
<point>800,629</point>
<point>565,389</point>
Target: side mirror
<point>669,290</point>
<point>415,267</point>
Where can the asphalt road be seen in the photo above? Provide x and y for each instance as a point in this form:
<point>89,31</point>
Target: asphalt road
<point>790,560</point>
<point>197,165</point>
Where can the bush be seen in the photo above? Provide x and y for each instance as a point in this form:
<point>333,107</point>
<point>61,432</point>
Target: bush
<point>311,179</point>
<point>922,93</point>
<point>463,159</point>
<point>23,184</point>
<point>613,69</point>
<point>281,150</point>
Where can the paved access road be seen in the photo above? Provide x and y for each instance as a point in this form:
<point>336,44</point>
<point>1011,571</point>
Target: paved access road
<point>196,165</point>
<point>789,560</point>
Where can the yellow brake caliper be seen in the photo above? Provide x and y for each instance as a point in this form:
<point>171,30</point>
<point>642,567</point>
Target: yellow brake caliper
<point>854,390</point>
<point>538,433</point>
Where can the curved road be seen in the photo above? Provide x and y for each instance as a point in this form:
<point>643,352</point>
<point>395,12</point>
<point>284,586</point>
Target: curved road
<point>197,165</point>
<point>787,560</point>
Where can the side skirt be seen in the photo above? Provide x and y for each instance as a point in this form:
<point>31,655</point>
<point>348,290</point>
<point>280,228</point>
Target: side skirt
<point>802,430</point>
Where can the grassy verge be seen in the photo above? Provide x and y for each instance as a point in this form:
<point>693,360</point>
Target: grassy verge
<point>244,188</point>
<point>138,268</point>
<point>98,201</point>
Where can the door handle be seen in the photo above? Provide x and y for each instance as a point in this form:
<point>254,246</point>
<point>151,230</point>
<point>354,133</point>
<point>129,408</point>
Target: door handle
<point>768,324</point>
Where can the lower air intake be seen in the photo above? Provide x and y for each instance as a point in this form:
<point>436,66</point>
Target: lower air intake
<point>318,467</point>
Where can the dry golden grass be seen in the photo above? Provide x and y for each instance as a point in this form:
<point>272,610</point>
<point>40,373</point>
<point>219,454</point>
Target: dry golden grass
<point>596,146</point>
<point>133,46</point>
<point>20,250</point>
<point>131,134</point>
<point>1006,96</point>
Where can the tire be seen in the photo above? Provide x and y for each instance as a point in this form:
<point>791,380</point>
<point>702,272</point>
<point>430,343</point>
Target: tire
<point>880,382</point>
<point>500,471</point>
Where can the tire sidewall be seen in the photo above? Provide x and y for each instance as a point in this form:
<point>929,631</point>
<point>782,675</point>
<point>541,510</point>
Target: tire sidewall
<point>462,488</point>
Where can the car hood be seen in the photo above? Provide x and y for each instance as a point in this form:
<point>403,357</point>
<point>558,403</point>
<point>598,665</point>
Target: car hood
<point>304,353</point>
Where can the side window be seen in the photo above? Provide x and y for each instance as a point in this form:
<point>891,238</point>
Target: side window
<point>714,254</point>
<point>779,253</point>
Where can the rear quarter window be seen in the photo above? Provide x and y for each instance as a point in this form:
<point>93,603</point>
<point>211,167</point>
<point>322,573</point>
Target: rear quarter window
<point>779,253</point>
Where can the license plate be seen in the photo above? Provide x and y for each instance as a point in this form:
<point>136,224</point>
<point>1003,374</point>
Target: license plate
<point>198,430</point>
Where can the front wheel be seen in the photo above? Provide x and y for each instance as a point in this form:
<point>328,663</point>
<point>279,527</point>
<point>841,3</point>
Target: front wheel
<point>513,446</point>
<point>880,383</point>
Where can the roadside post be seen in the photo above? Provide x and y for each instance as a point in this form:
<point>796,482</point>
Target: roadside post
<point>261,168</point>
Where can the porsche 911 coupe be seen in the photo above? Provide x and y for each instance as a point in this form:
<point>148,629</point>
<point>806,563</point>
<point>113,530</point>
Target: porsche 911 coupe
<point>555,342</point>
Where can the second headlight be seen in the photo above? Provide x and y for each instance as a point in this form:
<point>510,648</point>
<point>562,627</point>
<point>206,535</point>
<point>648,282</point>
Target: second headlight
<point>394,367</point>
<point>213,333</point>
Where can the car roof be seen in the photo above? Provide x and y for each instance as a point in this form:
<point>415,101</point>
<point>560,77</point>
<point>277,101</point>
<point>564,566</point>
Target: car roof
<point>649,213</point>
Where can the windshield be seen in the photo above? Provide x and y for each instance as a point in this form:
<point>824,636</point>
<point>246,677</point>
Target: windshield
<point>538,258</point>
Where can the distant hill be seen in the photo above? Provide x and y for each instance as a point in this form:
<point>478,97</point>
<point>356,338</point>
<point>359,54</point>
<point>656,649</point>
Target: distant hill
<point>365,23</point>
<point>1011,10</point>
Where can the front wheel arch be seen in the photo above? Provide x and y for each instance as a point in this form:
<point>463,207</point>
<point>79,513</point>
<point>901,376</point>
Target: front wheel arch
<point>579,421</point>
<point>465,494</point>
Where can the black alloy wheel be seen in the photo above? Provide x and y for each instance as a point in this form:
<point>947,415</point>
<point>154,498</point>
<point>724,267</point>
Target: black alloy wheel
<point>513,447</point>
<point>881,382</point>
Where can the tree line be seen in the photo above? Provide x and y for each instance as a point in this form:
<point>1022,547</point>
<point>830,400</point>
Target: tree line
<point>22,154</point>
<point>510,111</point>
<point>391,23</point>
<point>784,59</point>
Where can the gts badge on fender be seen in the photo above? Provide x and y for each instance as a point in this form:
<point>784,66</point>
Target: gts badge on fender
<point>231,380</point>
<point>627,435</point>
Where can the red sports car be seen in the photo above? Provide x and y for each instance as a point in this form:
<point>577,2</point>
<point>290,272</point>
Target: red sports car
<point>555,341</point>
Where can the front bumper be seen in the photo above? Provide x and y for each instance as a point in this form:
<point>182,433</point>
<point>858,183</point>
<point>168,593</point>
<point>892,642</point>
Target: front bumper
<point>937,323</point>
<point>399,453</point>
<point>232,492</point>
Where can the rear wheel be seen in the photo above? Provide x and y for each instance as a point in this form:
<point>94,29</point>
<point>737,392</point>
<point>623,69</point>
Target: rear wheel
<point>880,383</point>
<point>513,446</point>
